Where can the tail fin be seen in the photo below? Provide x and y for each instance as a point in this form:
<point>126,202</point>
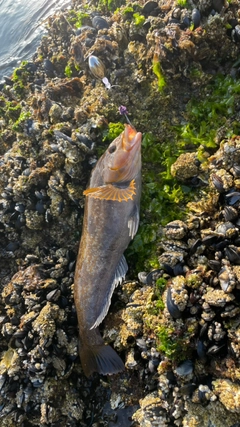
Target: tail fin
<point>100,358</point>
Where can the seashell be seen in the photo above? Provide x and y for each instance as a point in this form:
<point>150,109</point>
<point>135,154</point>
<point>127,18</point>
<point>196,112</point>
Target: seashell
<point>96,67</point>
<point>214,265</point>
<point>201,350</point>
<point>71,265</point>
<point>203,330</point>
<point>40,207</point>
<point>194,247</point>
<point>21,333</point>
<point>188,389</point>
<point>172,307</point>
<point>3,379</point>
<point>49,68</point>
<point>77,52</point>
<point>210,240</point>
<point>141,343</point>
<point>185,23</point>
<point>176,13</point>
<point>63,302</point>
<point>26,172</point>
<point>99,23</point>
<point>178,269</point>
<point>236,33</point>
<point>173,21</point>
<point>20,207</point>
<point>153,364</point>
<point>196,18</point>
<point>88,143</point>
<point>6,195</point>
<point>221,245</point>
<point>53,295</point>
<point>36,382</point>
<point>233,197</point>
<point>176,230</point>
<point>225,228</point>
<point>152,276</point>
<point>233,254</point>
<point>214,349</point>
<point>85,28</point>
<point>236,171</point>
<point>230,213</point>
<point>237,241</point>
<point>131,361</point>
<point>203,393</point>
<point>218,5</point>
<point>185,368</point>
<point>21,221</point>
<point>149,7</point>
<point>175,246</point>
<point>168,269</point>
<point>12,246</point>
<point>142,276</point>
<point>218,183</point>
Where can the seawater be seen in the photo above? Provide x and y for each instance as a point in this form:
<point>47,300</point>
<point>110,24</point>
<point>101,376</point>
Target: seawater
<point>22,25</point>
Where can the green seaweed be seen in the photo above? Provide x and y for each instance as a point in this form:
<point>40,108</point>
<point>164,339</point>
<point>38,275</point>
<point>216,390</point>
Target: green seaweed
<point>182,3</point>
<point>129,10</point>
<point>156,67</point>
<point>110,5</point>
<point>114,130</point>
<point>68,71</point>
<point>158,304</point>
<point>207,115</point>
<point>162,199</point>
<point>138,19</point>
<point>17,126</point>
<point>19,73</point>
<point>78,19</point>
<point>20,77</point>
<point>166,343</point>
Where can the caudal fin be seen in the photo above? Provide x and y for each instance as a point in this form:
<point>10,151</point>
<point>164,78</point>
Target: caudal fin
<point>100,358</point>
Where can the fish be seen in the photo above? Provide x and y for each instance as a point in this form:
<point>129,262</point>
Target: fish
<point>111,219</point>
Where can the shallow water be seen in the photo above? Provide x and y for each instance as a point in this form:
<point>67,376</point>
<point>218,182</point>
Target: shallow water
<point>21,29</point>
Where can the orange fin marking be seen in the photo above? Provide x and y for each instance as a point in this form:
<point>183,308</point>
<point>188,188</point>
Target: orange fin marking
<point>109,192</point>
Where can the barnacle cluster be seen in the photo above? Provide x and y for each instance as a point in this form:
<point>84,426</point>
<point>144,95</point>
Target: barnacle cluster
<point>175,67</point>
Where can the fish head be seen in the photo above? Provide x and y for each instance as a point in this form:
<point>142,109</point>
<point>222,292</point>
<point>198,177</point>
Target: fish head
<point>122,160</point>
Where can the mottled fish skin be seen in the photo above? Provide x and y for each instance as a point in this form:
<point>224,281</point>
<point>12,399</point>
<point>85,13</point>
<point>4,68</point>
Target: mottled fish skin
<point>108,227</point>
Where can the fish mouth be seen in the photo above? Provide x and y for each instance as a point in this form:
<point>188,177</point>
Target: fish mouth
<point>130,145</point>
<point>131,138</point>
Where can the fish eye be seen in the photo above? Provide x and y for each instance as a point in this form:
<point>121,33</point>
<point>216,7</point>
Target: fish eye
<point>112,149</point>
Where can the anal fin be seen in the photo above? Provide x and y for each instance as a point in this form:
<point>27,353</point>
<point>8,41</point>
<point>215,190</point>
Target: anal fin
<point>119,276</point>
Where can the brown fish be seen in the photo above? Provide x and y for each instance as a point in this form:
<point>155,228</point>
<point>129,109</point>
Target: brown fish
<point>111,220</point>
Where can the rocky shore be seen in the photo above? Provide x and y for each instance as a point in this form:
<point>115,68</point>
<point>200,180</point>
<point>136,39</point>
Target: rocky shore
<point>176,320</point>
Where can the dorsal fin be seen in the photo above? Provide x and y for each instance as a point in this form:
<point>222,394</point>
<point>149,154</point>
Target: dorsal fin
<point>119,276</point>
<point>110,192</point>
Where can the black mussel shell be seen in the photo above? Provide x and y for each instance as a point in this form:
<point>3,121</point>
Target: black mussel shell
<point>185,368</point>
<point>171,306</point>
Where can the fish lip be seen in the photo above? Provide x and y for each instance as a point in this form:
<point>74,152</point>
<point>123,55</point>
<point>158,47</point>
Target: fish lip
<point>128,142</point>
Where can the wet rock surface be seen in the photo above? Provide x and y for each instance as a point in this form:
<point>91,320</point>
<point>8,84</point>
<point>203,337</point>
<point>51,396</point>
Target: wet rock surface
<point>177,328</point>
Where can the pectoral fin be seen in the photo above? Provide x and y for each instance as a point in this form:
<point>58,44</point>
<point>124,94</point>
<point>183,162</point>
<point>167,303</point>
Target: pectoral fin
<point>133,222</point>
<point>110,192</point>
<point>119,276</point>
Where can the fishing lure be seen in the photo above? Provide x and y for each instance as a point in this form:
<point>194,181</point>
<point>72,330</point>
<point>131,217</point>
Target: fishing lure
<point>98,70</point>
